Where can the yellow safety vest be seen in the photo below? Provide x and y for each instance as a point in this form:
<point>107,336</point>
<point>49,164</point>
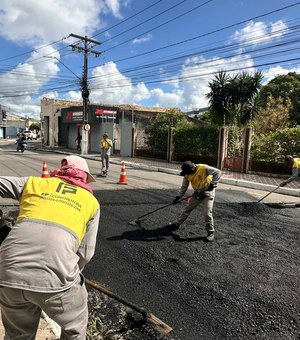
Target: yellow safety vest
<point>54,200</point>
<point>296,163</point>
<point>199,179</point>
<point>105,144</point>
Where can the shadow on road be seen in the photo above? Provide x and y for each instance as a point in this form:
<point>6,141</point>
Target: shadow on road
<point>153,235</point>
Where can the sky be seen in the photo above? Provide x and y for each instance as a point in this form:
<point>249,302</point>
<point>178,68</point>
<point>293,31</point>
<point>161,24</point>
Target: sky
<point>160,53</point>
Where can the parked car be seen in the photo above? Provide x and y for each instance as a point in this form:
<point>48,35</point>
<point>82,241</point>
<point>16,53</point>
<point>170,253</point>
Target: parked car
<point>30,134</point>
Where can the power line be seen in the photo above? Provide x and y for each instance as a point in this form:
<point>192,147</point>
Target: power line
<point>159,26</point>
<point>209,33</point>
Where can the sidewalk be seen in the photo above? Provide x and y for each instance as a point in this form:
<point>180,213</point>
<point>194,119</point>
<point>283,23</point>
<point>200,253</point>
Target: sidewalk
<point>266,182</point>
<point>228,177</point>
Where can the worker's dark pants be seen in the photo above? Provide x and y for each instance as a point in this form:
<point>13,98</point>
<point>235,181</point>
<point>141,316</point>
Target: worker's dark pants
<point>21,311</point>
<point>207,206</point>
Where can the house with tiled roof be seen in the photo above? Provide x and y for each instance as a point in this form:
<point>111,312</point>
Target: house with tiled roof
<point>62,122</point>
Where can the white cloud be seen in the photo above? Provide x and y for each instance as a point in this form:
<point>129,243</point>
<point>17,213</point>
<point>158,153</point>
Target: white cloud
<point>196,74</point>
<point>74,96</point>
<point>259,32</point>
<point>277,71</point>
<point>170,99</point>
<point>143,39</point>
<point>278,26</point>
<point>34,23</point>
<point>41,21</point>
<point>22,109</point>
<point>110,86</point>
<point>18,86</point>
<point>187,91</point>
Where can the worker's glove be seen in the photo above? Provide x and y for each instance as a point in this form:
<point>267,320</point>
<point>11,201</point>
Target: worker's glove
<point>176,199</point>
<point>211,187</point>
<point>283,184</point>
<point>200,196</point>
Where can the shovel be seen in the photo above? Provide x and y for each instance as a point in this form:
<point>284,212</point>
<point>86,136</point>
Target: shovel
<point>269,193</point>
<point>137,221</point>
<point>159,325</point>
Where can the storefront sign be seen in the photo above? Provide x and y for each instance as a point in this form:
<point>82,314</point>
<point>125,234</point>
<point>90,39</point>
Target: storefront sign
<point>105,113</point>
<point>74,116</point>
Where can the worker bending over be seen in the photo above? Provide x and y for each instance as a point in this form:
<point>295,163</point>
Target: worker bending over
<point>42,257</point>
<point>295,164</point>
<point>203,179</point>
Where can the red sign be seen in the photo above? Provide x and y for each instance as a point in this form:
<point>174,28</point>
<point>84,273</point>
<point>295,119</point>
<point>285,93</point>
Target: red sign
<point>74,116</point>
<point>103,112</point>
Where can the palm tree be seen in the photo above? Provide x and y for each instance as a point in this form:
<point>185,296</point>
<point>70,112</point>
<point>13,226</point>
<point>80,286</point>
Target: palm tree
<point>231,99</point>
<point>218,98</point>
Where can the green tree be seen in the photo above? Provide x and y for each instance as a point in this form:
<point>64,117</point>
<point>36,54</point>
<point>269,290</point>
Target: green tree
<point>275,146</point>
<point>35,126</point>
<point>158,127</point>
<point>274,116</point>
<point>287,87</point>
<point>232,98</point>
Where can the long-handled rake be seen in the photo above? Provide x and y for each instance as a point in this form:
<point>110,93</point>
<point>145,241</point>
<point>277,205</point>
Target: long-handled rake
<point>137,221</point>
<point>159,325</point>
<point>268,194</point>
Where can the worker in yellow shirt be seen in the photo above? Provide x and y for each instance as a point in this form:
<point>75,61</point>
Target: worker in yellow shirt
<point>42,257</point>
<point>106,145</point>
<point>295,164</point>
<point>203,179</point>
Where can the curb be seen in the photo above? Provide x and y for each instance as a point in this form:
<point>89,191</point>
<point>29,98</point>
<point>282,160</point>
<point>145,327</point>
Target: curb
<point>229,181</point>
<point>260,186</point>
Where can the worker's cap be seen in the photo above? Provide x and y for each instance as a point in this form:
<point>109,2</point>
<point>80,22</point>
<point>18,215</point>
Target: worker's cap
<point>105,135</point>
<point>78,163</point>
<point>187,168</point>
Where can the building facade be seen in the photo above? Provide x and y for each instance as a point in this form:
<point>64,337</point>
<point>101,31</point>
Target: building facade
<point>62,122</point>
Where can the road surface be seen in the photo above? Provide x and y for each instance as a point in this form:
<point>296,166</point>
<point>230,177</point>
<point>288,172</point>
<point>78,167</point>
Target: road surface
<point>242,286</point>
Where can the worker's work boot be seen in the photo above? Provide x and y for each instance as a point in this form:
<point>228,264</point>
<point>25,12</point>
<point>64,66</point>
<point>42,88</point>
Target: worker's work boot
<point>210,236</point>
<point>172,226</point>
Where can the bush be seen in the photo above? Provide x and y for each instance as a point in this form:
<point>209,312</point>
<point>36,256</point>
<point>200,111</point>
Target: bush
<point>275,146</point>
<point>196,140</point>
<point>158,127</point>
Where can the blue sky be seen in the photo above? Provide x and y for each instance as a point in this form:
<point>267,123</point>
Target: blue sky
<point>153,52</point>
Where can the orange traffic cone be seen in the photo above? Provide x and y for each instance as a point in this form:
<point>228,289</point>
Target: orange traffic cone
<point>45,173</point>
<point>123,177</point>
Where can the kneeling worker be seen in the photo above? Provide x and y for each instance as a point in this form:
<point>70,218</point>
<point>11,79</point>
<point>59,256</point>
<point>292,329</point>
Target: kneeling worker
<point>42,257</point>
<point>203,179</point>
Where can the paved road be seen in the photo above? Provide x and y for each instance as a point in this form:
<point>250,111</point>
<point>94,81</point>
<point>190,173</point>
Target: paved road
<point>165,274</point>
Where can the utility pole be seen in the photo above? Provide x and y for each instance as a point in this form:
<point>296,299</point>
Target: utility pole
<point>84,86</point>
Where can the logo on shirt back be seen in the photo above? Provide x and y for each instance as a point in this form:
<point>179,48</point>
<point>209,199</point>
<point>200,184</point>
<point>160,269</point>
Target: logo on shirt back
<point>65,188</point>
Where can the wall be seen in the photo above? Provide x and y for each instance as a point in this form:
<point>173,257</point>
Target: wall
<point>97,131</point>
<point>50,111</point>
<point>126,139</point>
<point>72,136</point>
